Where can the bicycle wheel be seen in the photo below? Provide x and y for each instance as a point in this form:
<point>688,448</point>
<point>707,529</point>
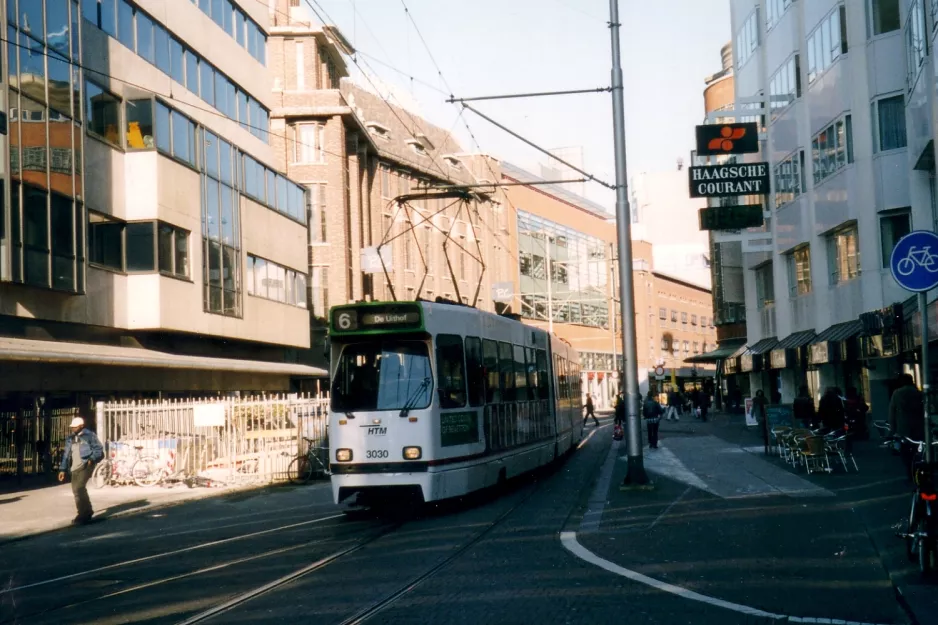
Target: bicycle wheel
<point>145,471</point>
<point>910,540</point>
<point>101,476</point>
<point>905,266</point>
<point>301,470</point>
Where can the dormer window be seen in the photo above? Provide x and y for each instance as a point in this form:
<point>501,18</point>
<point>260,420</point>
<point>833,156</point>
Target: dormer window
<point>379,131</point>
<point>418,147</point>
<point>453,162</point>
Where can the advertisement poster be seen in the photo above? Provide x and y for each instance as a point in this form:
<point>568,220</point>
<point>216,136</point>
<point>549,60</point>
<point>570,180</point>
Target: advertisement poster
<point>750,418</point>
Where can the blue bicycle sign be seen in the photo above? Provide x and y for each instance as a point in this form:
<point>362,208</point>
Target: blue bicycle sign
<point>913,264</point>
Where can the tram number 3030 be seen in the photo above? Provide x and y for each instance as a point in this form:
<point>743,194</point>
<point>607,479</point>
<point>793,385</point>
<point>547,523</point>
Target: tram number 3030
<point>376,453</point>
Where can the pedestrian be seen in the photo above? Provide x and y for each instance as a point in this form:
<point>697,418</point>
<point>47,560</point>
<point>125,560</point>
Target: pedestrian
<point>619,418</point>
<point>831,410</point>
<point>589,411</point>
<point>803,409</point>
<point>704,398</point>
<point>907,418</point>
<point>674,406</point>
<point>652,411</point>
<point>758,411</point>
<point>855,410</point>
<point>82,451</point>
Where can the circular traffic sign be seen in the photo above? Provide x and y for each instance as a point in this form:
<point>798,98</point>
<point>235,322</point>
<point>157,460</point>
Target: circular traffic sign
<point>914,261</point>
<point>659,370</point>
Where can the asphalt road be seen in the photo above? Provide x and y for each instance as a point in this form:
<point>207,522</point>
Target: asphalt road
<point>289,554</point>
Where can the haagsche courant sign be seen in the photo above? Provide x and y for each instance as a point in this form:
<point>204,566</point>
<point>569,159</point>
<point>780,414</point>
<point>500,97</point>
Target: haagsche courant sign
<point>729,180</point>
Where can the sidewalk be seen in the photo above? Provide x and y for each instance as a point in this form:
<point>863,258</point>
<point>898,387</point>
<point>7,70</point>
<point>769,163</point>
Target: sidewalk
<point>38,510</point>
<point>728,522</point>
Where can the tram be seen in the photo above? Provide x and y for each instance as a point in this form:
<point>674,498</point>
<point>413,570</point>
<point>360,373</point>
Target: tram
<point>434,400</point>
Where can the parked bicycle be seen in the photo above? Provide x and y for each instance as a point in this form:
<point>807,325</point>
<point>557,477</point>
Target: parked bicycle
<point>303,467</point>
<point>144,469</point>
<point>921,530</point>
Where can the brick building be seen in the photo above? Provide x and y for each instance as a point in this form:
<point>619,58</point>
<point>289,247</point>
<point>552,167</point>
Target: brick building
<point>358,153</point>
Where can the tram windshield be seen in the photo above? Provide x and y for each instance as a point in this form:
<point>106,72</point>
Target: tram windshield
<point>383,375</point>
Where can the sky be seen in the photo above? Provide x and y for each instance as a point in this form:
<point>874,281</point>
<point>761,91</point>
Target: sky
<point>494,47</point>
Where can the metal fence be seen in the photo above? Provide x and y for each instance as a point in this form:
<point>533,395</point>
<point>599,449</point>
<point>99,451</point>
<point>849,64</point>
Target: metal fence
<point>231,440</point>
<point>38,437</point>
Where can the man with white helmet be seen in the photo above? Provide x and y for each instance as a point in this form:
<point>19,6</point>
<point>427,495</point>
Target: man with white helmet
<point>82,451</point>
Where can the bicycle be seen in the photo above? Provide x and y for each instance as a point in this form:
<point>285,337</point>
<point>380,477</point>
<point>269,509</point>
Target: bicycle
<point>302,467</point>
<point>921,530</point>
<point>143,470</point>
<point>922,258</point>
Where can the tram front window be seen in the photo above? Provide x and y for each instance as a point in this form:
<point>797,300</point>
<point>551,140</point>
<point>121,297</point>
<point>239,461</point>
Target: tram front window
<point>385,375</point>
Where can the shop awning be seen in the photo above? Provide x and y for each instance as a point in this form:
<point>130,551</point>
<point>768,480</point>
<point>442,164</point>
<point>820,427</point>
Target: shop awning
<point>796,340</point>
<point>763,346</point>
<point>839,332</point>
<point>30,350</point>
<point>726,350</point>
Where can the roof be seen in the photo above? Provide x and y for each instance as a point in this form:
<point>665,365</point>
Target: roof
<point>682,281</point>
<point>522,175</point>
<point>31,350</point>
<point>763,346</point>
<point>840,332</point>
<point>796,339</point>
<point>724,351</point>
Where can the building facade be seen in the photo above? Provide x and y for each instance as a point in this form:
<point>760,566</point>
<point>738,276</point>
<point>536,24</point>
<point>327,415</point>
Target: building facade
<point>847,92</point>
<point>573,241</point>
<point>379,177</point>
<point>135,136</point>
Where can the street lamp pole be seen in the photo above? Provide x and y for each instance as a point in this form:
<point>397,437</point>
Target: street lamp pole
<point>636,475</point>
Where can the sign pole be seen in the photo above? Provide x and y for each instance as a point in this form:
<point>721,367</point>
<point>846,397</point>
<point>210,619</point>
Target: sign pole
<point>636,475</point>
<point>923,307</point>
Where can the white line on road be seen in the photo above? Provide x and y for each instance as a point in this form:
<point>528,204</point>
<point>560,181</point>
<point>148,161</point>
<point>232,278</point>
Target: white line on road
<point>168,553</point>
<point>571,544</point>
<point>586,440</point>
<point>597,502</point>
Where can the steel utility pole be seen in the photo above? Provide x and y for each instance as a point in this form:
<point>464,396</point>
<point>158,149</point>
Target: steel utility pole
<point>636,475</point>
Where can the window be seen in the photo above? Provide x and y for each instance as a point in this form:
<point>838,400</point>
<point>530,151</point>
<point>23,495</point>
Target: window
<point>693,320</point>
<point>827,42</point>
<point>145,44</point>
<point>105,241</point>
<point>300,68</point>
<point>103,110</point>
<point>789,175</point>
<point>662,313</point>
<point>234,22</point>
<point>521,376</point>
<point>747,39</point>
<point>785,85</point>
<point>173,250</point>
<point>893,225</point>
<point>884,16</point>
<point>915,45</point>
<point>842,255</point>
<point>684,318</point>
<point>451,378</point>
<point>889,123</point>
<point>308,146</point>
<point>320,291</point>
<point>475,371</point>
<point>506,370</point>
<point>275,282</point>
<point>125,23</point>
<point>317,221</point>
<point>832,149</point>
<point>765,286</point>
<point>799,271</point>
<point>183,133</point>
<point>177,61</point>
<point>774,10</point>
<point>490,362</point>
<point>674,316</point>
<point>139,116</point>
<point>207,82</point>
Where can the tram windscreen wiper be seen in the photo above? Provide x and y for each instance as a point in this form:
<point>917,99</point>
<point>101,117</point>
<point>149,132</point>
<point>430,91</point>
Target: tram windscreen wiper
<point>415,397</point>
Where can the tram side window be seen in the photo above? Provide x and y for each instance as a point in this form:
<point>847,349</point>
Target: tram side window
<point>475,371</point>
<point>531,364</point>
<point>493,393</point>
<point>521,376</point>
<point>451,371</point>
<point>542,387</point>
<point>506,368</point>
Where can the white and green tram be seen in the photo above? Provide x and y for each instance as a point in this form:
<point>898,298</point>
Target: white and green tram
<point>436,400</point>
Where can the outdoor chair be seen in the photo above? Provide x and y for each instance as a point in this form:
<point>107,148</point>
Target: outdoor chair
<point>814,454</point>
<point>838,446</point>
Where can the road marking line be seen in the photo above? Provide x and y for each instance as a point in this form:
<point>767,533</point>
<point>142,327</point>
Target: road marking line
<point>597,501</point>
<point>168,553</point>
<point>571,544</point>
<point>590,435</point>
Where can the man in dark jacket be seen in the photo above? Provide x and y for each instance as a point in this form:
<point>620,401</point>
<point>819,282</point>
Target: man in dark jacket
<point>82,451</point>
<point>652,411</point>
<point>907,417</point>
<point>590,411</point>
<point>803,408</point>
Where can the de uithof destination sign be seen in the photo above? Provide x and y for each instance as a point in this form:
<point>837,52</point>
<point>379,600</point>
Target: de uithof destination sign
<point>729,180</point>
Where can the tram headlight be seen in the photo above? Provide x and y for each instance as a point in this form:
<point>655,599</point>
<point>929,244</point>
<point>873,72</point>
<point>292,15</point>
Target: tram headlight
<point>412,453</point>
<point>343,455</point>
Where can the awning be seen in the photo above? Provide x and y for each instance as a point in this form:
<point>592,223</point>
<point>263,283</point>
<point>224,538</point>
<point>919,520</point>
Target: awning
<point>796,340</point>
<point>29,350</point>
<point>839,332</point>
<point>763,346</point>
<point>726,350</point>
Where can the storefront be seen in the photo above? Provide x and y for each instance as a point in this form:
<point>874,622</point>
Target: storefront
<point>789,360</point>
<point>755,362</point>
<point>834,360</point>
<point>720,357</point>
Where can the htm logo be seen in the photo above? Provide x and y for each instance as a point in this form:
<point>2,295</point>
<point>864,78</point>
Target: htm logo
<point>725,140</point>
<point>377,431</point>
